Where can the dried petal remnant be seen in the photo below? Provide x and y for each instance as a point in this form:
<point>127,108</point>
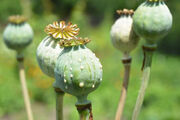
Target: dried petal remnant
<point>62,30</point>
<point>17,19</point>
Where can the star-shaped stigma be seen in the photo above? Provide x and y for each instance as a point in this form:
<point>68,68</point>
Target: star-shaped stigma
<point>62,30</point>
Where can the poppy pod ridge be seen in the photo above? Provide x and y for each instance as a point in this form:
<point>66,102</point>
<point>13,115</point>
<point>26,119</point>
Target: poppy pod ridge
<point>124,39</point>
<point>152,21</point>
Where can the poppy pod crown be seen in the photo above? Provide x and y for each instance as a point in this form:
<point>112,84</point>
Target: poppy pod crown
<point>17,19</point>
<point>61,30</point>
<point>66,34</point>
<point>125,12</point>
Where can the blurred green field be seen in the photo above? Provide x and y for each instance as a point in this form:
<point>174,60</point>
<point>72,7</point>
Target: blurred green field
<point>162,100</point>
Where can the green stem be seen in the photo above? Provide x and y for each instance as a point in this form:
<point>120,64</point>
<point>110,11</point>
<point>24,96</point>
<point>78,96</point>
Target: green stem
<point>148,52</point>
<point>85,111</point>
<point>22,76</point>
<point>127,63</point>
<point>84,115</point>
<point>59,104</point>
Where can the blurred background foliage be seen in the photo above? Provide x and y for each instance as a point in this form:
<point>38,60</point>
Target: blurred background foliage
<point>94,17</point>
<point>93,12</point>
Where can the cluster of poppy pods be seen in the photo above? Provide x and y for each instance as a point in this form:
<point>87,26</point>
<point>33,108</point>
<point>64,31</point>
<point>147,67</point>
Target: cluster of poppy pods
<point>63,55</point>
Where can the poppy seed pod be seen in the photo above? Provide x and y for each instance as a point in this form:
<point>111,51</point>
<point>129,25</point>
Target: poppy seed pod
<point>78,71</point>
<point>152,20</point>
<point>122,35</point>
<point>47,53</point>
<point>49,49</point>
<point>18,34</point>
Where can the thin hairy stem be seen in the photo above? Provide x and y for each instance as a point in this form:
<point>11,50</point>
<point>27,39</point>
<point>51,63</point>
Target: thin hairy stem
<point>127,64</point>
<point>24,89</point>
<point>59,104</point>
<point>148,53</point>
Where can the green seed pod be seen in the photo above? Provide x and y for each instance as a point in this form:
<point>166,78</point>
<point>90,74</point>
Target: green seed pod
<point>78,71</point>
<point>47,53</point>
<point>18,34</point>
<point>152,20</point>
<point>49,49</point>
<point>122,35</point>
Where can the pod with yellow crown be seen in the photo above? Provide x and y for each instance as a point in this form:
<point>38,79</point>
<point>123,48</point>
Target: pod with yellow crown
<point>49,49</point>
<point>152,20</point>
<point>18,34</point>
<point>78,71</point>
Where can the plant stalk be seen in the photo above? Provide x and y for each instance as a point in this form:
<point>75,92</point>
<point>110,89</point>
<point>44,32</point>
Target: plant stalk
<point>59,104</point>
<point>148,53</point>
<point>127,64</point>
<point>84,115</point>
<point>24,88</point>
<point>85,112</point>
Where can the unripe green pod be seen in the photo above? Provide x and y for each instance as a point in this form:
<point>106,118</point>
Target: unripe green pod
<point>152,20</point>
<point>78,72</point>
<point>47,53</point>
<point>49,49</point>
<point>122,35</point>
<point>18,34</point>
